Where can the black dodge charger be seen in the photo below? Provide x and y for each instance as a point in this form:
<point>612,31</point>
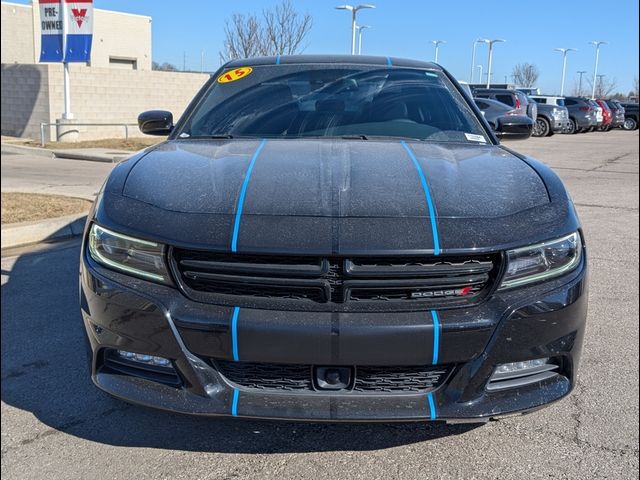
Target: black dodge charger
<point>333,238</point>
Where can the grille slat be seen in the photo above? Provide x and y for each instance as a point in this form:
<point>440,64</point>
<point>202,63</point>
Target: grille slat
<point>368,379</point>
<point>335,280</point>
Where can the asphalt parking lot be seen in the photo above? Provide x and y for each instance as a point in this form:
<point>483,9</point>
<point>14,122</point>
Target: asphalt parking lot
<point>56,425</point>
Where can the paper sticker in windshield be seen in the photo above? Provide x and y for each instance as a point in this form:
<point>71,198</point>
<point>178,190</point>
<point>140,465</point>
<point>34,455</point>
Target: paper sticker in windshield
<point>233,75</point>
<point>472,137</point>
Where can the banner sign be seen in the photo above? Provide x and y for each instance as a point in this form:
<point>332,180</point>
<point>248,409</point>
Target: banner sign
<point>79,26</point>
<point>67,30</point>
<point>51,25</point>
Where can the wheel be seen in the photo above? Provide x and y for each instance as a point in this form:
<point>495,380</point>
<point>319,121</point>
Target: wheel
<point>572,128</point>
<point>541,128</point>
<point>629,124</point>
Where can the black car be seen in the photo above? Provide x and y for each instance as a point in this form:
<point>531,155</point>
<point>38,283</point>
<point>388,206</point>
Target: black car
<point>631,120</point>
<point>333,238</point>
<point>513,98</point>
<point>498,115</point>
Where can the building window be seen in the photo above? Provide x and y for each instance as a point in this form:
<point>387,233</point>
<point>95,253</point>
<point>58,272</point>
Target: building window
<point>124,63</point>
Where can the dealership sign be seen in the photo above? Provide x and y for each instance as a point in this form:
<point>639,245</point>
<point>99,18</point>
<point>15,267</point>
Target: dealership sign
<point>67,30</point>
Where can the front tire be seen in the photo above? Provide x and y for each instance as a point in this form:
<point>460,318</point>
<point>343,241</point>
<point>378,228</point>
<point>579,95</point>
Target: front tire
<point>572,128</point>
<point>541,128</point>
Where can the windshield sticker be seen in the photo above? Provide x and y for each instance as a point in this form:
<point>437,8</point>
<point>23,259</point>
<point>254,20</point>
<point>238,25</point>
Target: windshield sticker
<point>233,75</point>
<point>472,137</point>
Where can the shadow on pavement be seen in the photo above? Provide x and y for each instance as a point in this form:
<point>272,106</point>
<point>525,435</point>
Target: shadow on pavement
<point>44,372</point>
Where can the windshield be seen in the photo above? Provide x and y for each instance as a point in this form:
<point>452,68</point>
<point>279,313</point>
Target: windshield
<point>334,101</point>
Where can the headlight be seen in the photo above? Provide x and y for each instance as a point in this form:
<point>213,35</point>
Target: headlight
<point>133,256</point>
<point>542,261</point>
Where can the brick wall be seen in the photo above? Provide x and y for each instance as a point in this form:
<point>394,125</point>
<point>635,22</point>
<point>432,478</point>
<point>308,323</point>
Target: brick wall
<point>25,99</point>
<point>34,93</point>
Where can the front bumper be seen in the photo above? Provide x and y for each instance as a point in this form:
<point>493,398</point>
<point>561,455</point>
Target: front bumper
<point>545,320</point>
<point>560,124</point>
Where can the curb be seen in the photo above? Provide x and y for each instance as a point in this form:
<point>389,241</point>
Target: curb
<point>41,152</point>
<point>66,154</point>
<point>91,158</point>
<point>25,233</point>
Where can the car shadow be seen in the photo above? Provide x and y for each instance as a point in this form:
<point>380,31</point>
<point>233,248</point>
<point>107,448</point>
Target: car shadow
<point>44,372</point>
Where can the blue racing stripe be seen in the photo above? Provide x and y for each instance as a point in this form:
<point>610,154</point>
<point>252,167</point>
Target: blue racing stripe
<point>432,406</point>
<point>243,192</point>
<point>436,337</point>
<point>234,403</point>
<point>427,194</point>
<point>234,334</point>
<point>389,64</point>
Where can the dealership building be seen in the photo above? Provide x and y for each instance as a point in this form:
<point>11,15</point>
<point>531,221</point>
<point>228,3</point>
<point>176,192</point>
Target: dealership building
<point>116,85</point>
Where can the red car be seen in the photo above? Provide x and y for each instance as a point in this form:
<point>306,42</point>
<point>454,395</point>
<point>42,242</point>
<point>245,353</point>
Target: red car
<point>607,116</point>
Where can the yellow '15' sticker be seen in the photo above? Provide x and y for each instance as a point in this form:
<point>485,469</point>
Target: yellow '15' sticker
<point>233,75</point>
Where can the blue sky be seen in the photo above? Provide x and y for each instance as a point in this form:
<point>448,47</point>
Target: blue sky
<point>405,28</point>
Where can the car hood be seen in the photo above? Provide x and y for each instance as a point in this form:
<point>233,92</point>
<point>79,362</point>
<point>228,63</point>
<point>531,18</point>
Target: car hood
<point>345,178</point>
<point>332,196</point>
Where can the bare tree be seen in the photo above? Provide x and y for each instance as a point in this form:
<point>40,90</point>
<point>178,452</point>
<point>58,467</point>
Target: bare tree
<point>636,88</point>
<point>604,86</point>
<point>525,74</point>
<point>286,29</point>
<point>280,31</point>
<point>165,67</point>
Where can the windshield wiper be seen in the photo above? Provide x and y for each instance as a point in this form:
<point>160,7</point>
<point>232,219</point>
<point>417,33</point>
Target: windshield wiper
<point>354,137</point>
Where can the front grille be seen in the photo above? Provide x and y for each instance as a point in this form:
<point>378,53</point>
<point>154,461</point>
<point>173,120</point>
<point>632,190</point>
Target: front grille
<point>313,280</point>
<point>398,379</point>
<point>299,378</point>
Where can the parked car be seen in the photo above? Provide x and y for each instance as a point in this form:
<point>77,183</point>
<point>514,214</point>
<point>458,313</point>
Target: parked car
<point>599,115</point>
<point>551,119</point>
<point>631,120</point>
<point>513,98</point>
<point>497,114</point>
<point>333,238</point>
<point>582,114</point>
<point>607,116</point>
<point>617,111</point>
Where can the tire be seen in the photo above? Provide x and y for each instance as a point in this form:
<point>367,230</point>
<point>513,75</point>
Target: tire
<point>572,128</point>
<point>630,124</point>
<point>541,128</point>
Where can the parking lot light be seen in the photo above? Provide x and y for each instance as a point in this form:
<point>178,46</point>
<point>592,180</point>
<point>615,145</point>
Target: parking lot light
<point>354,11</point>
<point>437,45</point>
<point>473,57</point>
<point>597,44</point>
<point>360,29</point>
<point>580,72</point>
<point>491,42</point>
<point>564,52</point>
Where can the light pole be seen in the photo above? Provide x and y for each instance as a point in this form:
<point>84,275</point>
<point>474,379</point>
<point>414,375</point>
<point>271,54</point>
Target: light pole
<point>354,11</point>
<point>360,29</point>
<point>564,52</point>
<point>480,73</point>
<point>491,42</point>
<point>437,45</point>
<point>580,72</point>
<point>597,44</point>
<point>473,57</point>
<point>600,77</point>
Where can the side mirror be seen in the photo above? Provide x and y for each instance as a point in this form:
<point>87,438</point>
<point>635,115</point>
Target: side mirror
<point>155,122</point>
<point>514,127</point>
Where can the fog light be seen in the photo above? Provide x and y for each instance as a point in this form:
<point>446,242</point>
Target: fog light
<point>142,358</point>
<point>518,366</point>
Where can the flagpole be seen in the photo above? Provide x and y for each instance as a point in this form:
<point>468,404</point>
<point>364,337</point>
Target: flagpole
<point>67,115</point>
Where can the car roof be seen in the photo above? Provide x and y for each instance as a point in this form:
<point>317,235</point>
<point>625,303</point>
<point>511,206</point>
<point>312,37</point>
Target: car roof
<point>333,59</point>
